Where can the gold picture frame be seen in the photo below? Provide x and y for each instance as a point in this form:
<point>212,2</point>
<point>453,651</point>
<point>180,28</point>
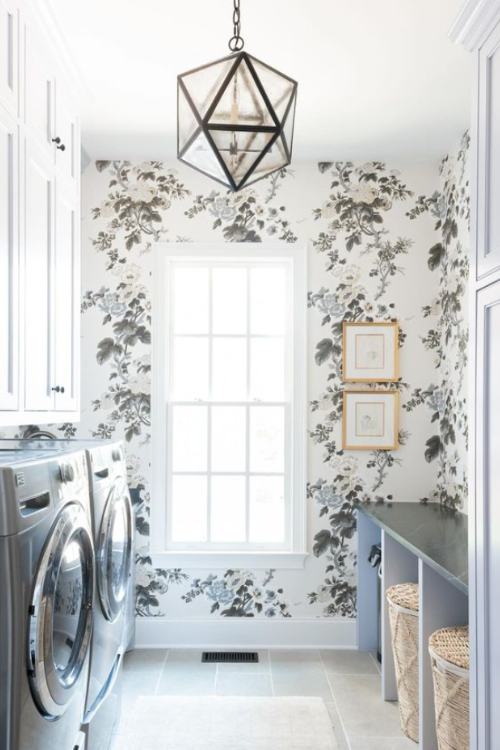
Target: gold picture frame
<point>375,422</point>
<point>384,351</point>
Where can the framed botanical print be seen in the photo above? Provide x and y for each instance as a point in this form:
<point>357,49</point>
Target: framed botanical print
<point>370,420</point>
<point>370,352</point>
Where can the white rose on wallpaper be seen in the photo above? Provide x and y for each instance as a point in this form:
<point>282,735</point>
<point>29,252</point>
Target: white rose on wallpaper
<point>141,192</point>
<point>348,293</point>
<point>350,274</point>
<point>129,273</point>
<point>144,574</point>
<point>348,465</point>
<point>131,291</point>
<point>363,192</point>
<point>139,383</point>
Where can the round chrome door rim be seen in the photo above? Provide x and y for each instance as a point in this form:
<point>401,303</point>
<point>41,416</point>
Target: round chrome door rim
<point>112,605</point>
<point>51,691</point>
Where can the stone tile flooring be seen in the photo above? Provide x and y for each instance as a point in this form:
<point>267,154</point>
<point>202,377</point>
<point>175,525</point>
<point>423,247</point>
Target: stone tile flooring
<point>348,682</point>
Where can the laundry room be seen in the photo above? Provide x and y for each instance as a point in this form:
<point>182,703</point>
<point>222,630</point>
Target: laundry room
<point>249,374</point>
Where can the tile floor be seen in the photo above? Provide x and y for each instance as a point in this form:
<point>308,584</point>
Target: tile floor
<point>348,682</point>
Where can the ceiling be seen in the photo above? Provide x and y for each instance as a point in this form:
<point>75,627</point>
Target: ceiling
<point>378,79</point>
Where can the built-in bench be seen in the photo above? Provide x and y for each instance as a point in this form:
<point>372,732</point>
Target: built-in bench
<point>424,544</point>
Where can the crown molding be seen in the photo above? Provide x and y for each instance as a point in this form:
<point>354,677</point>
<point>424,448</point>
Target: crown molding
<point>474,22</point>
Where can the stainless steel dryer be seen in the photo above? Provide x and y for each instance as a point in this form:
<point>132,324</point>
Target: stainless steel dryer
<point>46,596</point>
<point>113,527</point>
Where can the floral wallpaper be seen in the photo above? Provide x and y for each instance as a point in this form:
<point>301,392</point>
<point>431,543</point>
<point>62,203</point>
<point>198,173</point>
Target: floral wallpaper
<point>447,336</point>
<point>385,242</point>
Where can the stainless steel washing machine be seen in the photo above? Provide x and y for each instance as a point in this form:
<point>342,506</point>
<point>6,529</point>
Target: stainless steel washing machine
<point>47,579</point>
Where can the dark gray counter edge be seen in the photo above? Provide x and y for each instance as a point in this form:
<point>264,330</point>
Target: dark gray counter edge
<point>459,580</point>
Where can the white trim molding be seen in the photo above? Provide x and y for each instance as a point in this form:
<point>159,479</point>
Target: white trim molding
<point>245,633</point>
<point>234,560</point>
<point>474,22</point>
<point>292,552</point>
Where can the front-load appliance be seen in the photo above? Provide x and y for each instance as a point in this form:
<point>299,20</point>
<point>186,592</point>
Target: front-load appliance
<point>46,598</point>
<point>113,524</point>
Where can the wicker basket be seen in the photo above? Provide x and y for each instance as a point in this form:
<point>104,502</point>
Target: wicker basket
<point>449,650</point>
<point>403,617</point>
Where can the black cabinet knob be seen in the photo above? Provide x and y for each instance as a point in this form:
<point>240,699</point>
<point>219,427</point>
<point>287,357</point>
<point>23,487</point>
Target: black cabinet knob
<point>58,143</point>
<point>58,388</point>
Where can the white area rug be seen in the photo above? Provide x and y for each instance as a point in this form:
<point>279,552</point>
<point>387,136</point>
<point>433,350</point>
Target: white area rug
<point>220,723</point>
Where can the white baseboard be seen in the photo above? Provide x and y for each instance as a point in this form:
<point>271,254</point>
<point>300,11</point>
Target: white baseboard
<point>244,633</point>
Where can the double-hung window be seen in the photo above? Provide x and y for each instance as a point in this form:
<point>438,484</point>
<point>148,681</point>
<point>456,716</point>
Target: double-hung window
<point>229,398</point>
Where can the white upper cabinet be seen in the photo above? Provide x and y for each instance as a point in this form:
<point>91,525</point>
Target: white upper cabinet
<point>488,153</point>
<point>9,55</point>
<point>38,262</point>
<point>9,256</point>
<point>39,222</point>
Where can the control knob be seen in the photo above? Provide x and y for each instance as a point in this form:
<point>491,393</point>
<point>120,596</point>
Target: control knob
<point>67,473</point>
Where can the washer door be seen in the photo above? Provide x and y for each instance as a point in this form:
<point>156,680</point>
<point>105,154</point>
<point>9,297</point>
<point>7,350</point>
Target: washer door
<point>60,615</point>
<point>114,551</point>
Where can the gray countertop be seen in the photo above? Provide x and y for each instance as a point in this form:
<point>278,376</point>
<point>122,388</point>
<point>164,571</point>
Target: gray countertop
<point>434,533</point>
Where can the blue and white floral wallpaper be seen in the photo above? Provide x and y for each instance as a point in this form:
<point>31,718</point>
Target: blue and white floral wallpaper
<point>385,242</point>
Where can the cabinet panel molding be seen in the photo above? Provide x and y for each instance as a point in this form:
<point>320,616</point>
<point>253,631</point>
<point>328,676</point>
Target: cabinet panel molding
<point>38,280</point>
<point>67,307</point>
<point>488,157</point>
<point>9,57</point>
<point>9,264</point>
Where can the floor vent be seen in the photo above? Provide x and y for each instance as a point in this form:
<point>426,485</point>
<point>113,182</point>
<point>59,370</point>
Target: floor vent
<point>233,657</point>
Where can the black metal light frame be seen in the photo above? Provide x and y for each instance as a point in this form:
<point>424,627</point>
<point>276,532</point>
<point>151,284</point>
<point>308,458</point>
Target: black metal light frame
<point>203,122</point>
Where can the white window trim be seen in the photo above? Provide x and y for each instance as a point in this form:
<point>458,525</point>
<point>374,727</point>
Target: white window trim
<point>296,555</point>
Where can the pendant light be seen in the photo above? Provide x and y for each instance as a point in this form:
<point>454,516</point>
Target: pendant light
<point>235,116</point>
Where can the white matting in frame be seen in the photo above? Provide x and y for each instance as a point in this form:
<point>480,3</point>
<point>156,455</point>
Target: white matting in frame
<point>370,420</point>
<point>370,352</point>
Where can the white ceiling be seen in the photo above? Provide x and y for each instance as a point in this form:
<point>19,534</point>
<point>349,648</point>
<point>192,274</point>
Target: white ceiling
<point>377,78</point>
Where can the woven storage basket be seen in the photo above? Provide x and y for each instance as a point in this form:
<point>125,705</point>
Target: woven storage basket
<point>403,617</point>
<point>449,650</point>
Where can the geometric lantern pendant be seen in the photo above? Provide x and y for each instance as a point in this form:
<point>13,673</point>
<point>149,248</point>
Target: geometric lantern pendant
<point>235,116</point>
<point>235,119</point>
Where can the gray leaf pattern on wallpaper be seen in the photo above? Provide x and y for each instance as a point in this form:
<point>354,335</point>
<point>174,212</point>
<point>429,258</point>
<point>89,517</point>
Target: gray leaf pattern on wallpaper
<point>368,241</point>
<point>448,339</point>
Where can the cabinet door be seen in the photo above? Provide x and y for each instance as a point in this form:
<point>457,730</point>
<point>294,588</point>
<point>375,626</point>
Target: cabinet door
<point>66,132</point>
<point>9,297</point>
<point>66,289</point>
<point>38,269</point>
<point>39,97</point>
<point>485,579</point>
<point>488,156</point>
<point>9,51</point>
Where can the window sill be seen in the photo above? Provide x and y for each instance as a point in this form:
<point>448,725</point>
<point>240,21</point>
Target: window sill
<point>235,560</point>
